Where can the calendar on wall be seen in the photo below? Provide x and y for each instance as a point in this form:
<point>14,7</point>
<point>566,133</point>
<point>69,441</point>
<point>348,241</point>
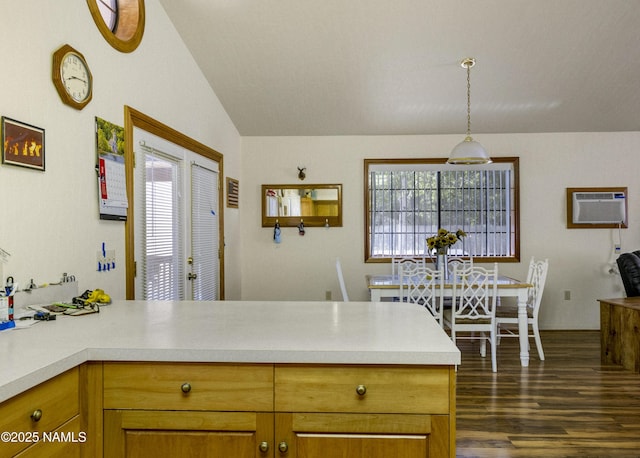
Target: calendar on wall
<point>112,187</point>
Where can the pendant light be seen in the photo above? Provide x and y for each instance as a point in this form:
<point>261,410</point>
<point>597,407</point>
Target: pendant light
<point>468,151</point>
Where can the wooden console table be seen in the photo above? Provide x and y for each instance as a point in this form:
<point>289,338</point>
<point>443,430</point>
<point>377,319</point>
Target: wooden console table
<point>620,332</point>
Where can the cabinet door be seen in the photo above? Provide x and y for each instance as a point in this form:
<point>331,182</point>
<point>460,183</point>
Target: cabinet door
<point>317,435</point>
<point>136,433</point>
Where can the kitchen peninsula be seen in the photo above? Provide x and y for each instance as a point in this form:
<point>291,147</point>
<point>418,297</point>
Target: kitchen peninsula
<point>258,379</point>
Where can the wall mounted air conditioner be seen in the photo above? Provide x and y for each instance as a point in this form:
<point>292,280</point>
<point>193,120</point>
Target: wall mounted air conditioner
<point>599,207</point>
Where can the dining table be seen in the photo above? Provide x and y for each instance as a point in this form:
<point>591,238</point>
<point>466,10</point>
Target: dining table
<point>388,287</point>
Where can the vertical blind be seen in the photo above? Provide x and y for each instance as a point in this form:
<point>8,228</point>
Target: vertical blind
<point>204,232</point>
<point>409,202</point>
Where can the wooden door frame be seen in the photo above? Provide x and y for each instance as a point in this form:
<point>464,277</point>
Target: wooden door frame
<point>134,118</point>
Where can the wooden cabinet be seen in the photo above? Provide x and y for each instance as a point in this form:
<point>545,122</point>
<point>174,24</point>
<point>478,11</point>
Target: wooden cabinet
<point>176,409</point>
<point>66,443</point>
<point>281,411</point>
<point>188,386</point>
<point>127,409</point>
<point>144,433</point>
<point>364,411</point>
<point>312,435</point>
<point>60,417</point>
<point>362,389</point>
<point>41,409</point>
<point>309,207</point>
<point>306,207</point>
<point>326,207</point>
<point>619,337</point>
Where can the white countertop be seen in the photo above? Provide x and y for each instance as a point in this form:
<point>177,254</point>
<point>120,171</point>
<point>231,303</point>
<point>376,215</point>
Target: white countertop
<point>225,331</point>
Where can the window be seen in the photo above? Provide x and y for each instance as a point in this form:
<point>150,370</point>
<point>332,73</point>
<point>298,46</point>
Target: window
<point>121,22</point>
<point>109,12</point>
<point>408,200</point>
<point>162,240</point>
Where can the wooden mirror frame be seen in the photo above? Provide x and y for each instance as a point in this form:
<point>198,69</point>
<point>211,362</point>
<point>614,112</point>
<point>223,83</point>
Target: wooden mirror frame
<point>131,19</point>
<point>294,221</point>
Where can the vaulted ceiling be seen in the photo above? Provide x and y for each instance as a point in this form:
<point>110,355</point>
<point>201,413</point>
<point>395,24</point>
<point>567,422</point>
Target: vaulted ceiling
<point>378,67</point>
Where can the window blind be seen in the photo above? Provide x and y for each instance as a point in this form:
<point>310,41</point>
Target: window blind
<point>408,202</point>
<point>163,237</point>
<point>204,232</point>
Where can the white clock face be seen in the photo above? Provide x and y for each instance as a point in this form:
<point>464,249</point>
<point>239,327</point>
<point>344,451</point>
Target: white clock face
<point>75,77</point>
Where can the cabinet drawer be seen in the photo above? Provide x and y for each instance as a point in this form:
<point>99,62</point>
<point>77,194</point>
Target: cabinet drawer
<point>369,389</point>
<point>188,386</point>
<point>65,442</point>
<point>56,400</point>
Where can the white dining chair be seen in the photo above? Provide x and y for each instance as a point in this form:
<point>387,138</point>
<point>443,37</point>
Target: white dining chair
<point>398,261</point>
<point>473,309</point>
<point>460,263</point>
<point>422,285</point>
<point>410,261</point>
<point>343,288</point>
<point>454,262</point>
<point>507,314</point>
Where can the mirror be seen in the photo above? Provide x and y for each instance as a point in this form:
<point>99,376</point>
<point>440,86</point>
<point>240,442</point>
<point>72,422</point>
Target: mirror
<point>316,205</point>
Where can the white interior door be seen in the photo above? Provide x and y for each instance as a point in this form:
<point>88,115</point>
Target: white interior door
<point>176,222</point>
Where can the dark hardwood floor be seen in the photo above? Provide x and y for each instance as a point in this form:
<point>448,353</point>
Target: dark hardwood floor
<point>566,406</point>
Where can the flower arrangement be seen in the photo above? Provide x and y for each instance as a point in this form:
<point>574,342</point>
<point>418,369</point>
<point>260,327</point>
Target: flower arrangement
<point>444,239</point>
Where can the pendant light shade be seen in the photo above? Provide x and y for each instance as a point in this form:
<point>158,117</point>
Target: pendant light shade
<point>468,151</point>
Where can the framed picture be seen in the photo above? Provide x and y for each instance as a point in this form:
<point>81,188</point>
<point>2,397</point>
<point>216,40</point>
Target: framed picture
<point>22,144</point>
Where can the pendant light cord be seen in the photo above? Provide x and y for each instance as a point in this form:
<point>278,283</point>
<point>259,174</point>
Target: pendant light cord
<point>468,99</point>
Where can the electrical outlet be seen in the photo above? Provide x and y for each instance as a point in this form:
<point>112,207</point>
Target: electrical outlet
<point>567,295</point>
<point>327,295</point>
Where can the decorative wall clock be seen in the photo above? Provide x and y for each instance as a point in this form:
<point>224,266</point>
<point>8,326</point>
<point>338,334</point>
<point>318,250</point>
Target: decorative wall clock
<point>72,77</point>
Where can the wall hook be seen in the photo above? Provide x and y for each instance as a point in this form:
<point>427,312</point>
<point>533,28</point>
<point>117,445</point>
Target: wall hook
<point>276,232</point>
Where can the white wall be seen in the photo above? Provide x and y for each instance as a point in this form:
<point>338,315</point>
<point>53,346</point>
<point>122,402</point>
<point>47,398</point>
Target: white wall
<point>51,223</point>
<point>303,267</point>
<point>51,220</point>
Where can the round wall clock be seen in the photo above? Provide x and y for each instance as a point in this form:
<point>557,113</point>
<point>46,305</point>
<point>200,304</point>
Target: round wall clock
<point>72,77</point>
<point>121,22</point>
